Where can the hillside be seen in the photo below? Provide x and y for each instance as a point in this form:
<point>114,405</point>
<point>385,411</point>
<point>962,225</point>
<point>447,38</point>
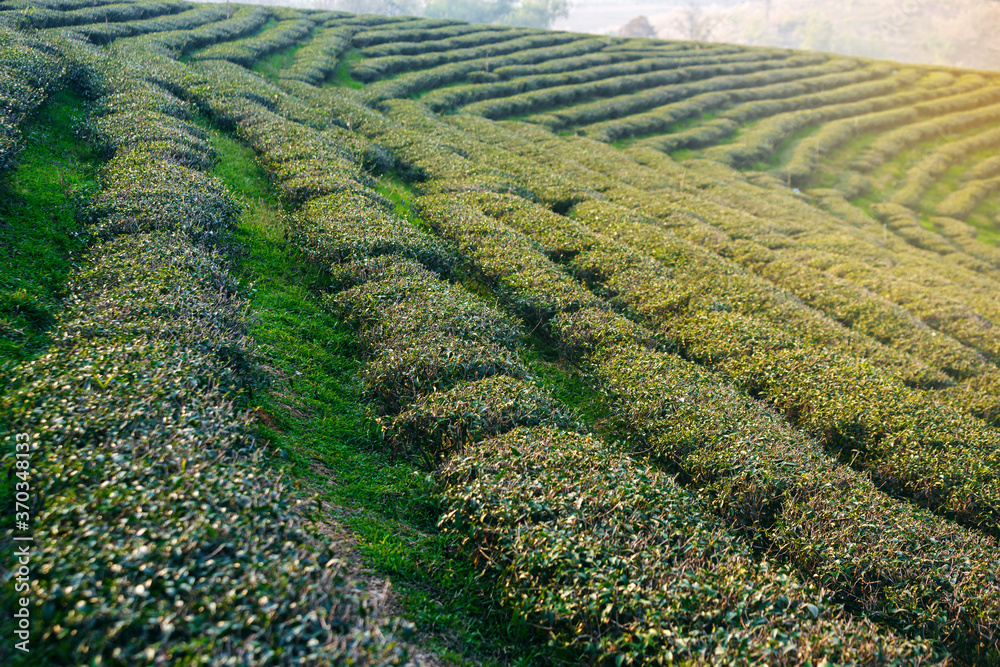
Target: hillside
<point>351,339</point>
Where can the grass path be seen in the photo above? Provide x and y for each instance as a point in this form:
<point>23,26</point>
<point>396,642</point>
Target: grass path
<point>42,203</point>
<point>313,414</point>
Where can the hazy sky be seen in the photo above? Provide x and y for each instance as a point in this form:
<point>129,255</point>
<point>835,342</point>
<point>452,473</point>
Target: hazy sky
<point>956,32</point>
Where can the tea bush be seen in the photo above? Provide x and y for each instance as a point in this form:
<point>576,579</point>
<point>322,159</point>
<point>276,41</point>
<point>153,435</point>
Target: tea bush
<point>248,50</point>
<point>318,59</point>
<point>346,227</point>
<point>898,562</point>
<point>960,203</point>
<point>427,335</point>
<point>616,563</point>
<point>445,422</point>
<point>31,69</point>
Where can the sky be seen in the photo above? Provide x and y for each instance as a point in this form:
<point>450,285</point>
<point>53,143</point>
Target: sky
<point>963,33</point>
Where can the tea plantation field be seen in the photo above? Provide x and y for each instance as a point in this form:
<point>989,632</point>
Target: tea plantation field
<point>351,339</point>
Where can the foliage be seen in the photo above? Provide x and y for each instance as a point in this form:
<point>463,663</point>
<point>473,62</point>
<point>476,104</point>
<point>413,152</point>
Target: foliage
<point>43,203</point>
<point>527,13</point>
<point>738,405</point>
<point>603,553</point>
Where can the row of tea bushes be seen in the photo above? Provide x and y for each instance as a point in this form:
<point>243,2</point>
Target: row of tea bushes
<point>606,56</point>
<point>430,335</point>
<point>318,58</point>
<point>760,139</point>
<point>534,101</point>
<point>451,159</point>
<point>109,13</point>
<point>852,406</point>
<point>700,98</point>
<point>125,122</point>
<point>888,83</point>
<point>974,269</point>
<point>842,302</point>
<point>438,376</point>
<point>534,51</point>
<point>32,69</point>
<point>304,163</point>
<point>248,50</point>
<point>469,36</point>
<point>434,425</point>
<point>693,278</point>
<point>953,296</point>
<point>529,284</point>
<point>868,82</point>
<point>243,21</point>
<point>626,615</point>
<point>434,64</point>
<point>442,423</point>
<point>426,334</point>
<point>619,566</point>
<point>961,365</point>
<point>933,304</point>
<point>962,202</point>
<point>163,534</point>
<point>789,267</point>
<point>809,152</point>
<point>966,111</point>
<point>155,179</point>
<point>923,175</point>
<point>869,314</point>
<point>56,5</point>
<point>575,522</point>
<point>409,29</point>
<point>899,563</point>
<point>351,226</point>
<point>950,114</point>
<point>904,223</point>
<point>950,236</point>
<point>680,414</point>
<point>986,168</point>
<point>456,96</point>
<point>234,90</point>
<point>105,33</point>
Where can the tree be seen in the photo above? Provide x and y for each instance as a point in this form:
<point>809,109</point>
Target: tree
<point>637,27</point>
<point>817,33</point>
<point>386,7</point>
<point>473,11</point>
<point>526,13</point>
<point>694,25</point>
<point>537,13</point>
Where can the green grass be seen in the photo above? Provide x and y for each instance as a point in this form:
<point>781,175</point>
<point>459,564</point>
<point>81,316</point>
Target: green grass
<point>567,383</point>
<point>42,202</point>
<point>313,412</point>
<point>395,188</point>
<point>270,67</point>
<point>42,231</point>
<point>782,153</point>
<point>342,75</point>
<point>986,219</point>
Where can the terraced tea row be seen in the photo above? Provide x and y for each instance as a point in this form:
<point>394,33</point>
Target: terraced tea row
<point>783,328</point>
